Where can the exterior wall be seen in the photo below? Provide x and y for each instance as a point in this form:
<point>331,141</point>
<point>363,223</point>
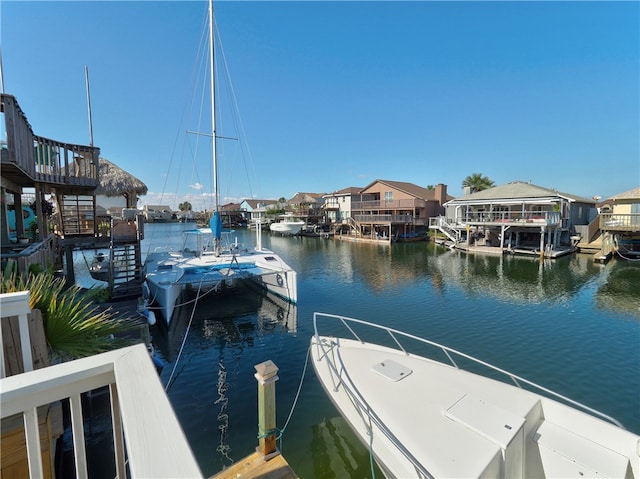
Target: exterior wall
<point>380,189</point>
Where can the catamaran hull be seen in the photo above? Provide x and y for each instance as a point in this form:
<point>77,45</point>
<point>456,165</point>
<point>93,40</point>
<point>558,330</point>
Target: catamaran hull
<point>168,273</point>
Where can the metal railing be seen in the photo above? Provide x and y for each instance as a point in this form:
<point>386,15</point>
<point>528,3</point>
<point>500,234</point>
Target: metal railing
<point>148,440</point>
<point>450,353</point>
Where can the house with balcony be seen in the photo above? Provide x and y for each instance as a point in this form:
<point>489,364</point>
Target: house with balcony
<point>255,211</point>
<point>620,225</point>
<point>69,176</point>
<point>516,217</point>
<point>386,210</point>
<point>337,205</point>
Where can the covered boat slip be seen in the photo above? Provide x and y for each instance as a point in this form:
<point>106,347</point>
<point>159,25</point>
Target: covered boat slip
<point>430,419</point>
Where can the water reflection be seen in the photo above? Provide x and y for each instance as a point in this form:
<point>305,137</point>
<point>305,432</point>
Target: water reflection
<point>235,315</point>
<point>517,279</point>
<point>620,288</point>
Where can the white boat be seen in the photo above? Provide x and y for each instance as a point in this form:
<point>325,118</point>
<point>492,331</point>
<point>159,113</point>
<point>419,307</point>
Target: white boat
<point>430,418</point>
<point>287,225</point>
<point>206,261</point>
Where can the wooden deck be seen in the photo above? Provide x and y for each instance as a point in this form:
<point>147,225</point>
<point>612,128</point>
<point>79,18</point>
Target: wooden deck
<point>254,466</point>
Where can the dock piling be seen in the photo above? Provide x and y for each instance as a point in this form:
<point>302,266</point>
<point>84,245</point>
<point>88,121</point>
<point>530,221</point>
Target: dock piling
<point>267,375</point>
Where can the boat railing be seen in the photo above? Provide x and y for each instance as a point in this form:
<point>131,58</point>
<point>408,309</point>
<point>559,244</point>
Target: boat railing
<point>148,440</point>
<point>451,354</point>
<point>361,402</point>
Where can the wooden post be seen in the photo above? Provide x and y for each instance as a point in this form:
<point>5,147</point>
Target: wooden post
<point>267,375</point>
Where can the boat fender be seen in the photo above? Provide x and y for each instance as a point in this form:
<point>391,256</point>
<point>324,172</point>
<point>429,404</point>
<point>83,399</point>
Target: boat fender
<point>279,279</point>
<point>151,317</point>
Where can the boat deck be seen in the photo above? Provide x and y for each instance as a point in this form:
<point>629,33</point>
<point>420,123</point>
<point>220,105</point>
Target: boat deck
<point>458,424</point>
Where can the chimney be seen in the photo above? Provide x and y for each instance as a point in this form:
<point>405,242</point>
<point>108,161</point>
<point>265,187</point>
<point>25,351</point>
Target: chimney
<point>441,193</point>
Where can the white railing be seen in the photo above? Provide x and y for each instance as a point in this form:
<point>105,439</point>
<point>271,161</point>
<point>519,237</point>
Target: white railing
<point>450,353</point>
<point>16,304</point>
<point>146,433</point>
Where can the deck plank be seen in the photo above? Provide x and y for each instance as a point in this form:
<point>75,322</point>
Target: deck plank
<point>254,466</point>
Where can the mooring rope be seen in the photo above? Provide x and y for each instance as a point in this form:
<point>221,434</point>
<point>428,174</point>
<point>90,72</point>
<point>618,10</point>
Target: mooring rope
<point>278,431</point>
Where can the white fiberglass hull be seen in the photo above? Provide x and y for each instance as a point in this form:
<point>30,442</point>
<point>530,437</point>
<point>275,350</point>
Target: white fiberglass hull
<point>168,273</point>
<point>287,227</point>
<point>453,423</point>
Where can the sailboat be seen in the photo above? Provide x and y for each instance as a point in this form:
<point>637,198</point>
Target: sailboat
<point>207,259</point>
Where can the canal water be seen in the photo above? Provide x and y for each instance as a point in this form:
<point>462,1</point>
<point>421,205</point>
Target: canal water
<point>568,324</point>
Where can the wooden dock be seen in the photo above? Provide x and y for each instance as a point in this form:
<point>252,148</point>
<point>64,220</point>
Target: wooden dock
<point>255,466</point>
<point>266,462</point>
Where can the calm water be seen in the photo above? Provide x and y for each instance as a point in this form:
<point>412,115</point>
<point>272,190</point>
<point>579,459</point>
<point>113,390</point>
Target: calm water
<point>568,324</point>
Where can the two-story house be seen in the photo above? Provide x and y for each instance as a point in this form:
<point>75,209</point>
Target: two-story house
<point>620,225</point>
<point>337,205</point>
<point>394,209</point>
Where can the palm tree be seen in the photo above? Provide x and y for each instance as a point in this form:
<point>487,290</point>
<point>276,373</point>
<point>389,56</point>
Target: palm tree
<point>74,326</point>
<point>477,182</point>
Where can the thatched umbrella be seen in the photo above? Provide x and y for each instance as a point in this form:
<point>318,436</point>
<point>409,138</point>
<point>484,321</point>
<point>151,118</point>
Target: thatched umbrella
<point>114,181</point>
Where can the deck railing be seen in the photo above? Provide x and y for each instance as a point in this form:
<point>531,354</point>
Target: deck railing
<point>408,203</point>
<point>42,159</point>
<point>520,218</point>
<point>41,253</point>
<point>620,222</point>
<point>148,440</point>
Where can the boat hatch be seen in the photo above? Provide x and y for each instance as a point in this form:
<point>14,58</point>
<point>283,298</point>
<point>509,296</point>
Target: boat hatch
<point>489,420</point>
<point>269,258</point>
<point>162,267</point>
<point>391,370</point>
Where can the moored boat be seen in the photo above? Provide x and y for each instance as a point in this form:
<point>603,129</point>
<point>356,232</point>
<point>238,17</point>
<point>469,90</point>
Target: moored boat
<point>287,225</point>
<point>207,260</point>
<point>430,413</point>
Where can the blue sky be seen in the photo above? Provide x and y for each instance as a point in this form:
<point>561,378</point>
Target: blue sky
<point>338,94</point>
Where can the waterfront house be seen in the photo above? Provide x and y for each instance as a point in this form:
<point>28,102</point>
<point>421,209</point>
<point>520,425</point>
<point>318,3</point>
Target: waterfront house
<point>516,217</point>
<point>157,213</point>
<point>388,209</point>
<point>256,210</point>
<point>620,225</point>
<point>40,166</point>
<point>337,205</point>
<point>305,204</point>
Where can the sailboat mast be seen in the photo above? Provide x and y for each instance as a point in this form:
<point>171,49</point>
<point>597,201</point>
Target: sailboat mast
<point>213,109</point>
<point>86,78</point>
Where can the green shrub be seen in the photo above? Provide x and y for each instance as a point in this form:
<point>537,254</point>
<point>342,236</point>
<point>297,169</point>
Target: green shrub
<point>74,327</point>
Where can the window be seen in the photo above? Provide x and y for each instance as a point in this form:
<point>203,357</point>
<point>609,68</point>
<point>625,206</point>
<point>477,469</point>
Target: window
<point>388,196</point>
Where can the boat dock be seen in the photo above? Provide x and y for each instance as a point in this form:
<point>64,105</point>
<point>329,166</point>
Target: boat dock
<point>266,462</point>
<point>255,466</point>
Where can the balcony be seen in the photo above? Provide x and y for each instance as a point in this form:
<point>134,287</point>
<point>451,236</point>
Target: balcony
<point>148,440</point>
<point>620,222</point>
<point>409,203</point>
<point>27,158</point>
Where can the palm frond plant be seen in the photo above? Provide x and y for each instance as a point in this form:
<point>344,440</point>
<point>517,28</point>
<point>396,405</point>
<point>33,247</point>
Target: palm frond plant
<point>74,326</point>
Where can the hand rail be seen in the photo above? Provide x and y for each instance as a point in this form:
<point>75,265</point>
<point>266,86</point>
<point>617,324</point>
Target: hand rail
<point>449,352</point>
<point>146,431</point>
